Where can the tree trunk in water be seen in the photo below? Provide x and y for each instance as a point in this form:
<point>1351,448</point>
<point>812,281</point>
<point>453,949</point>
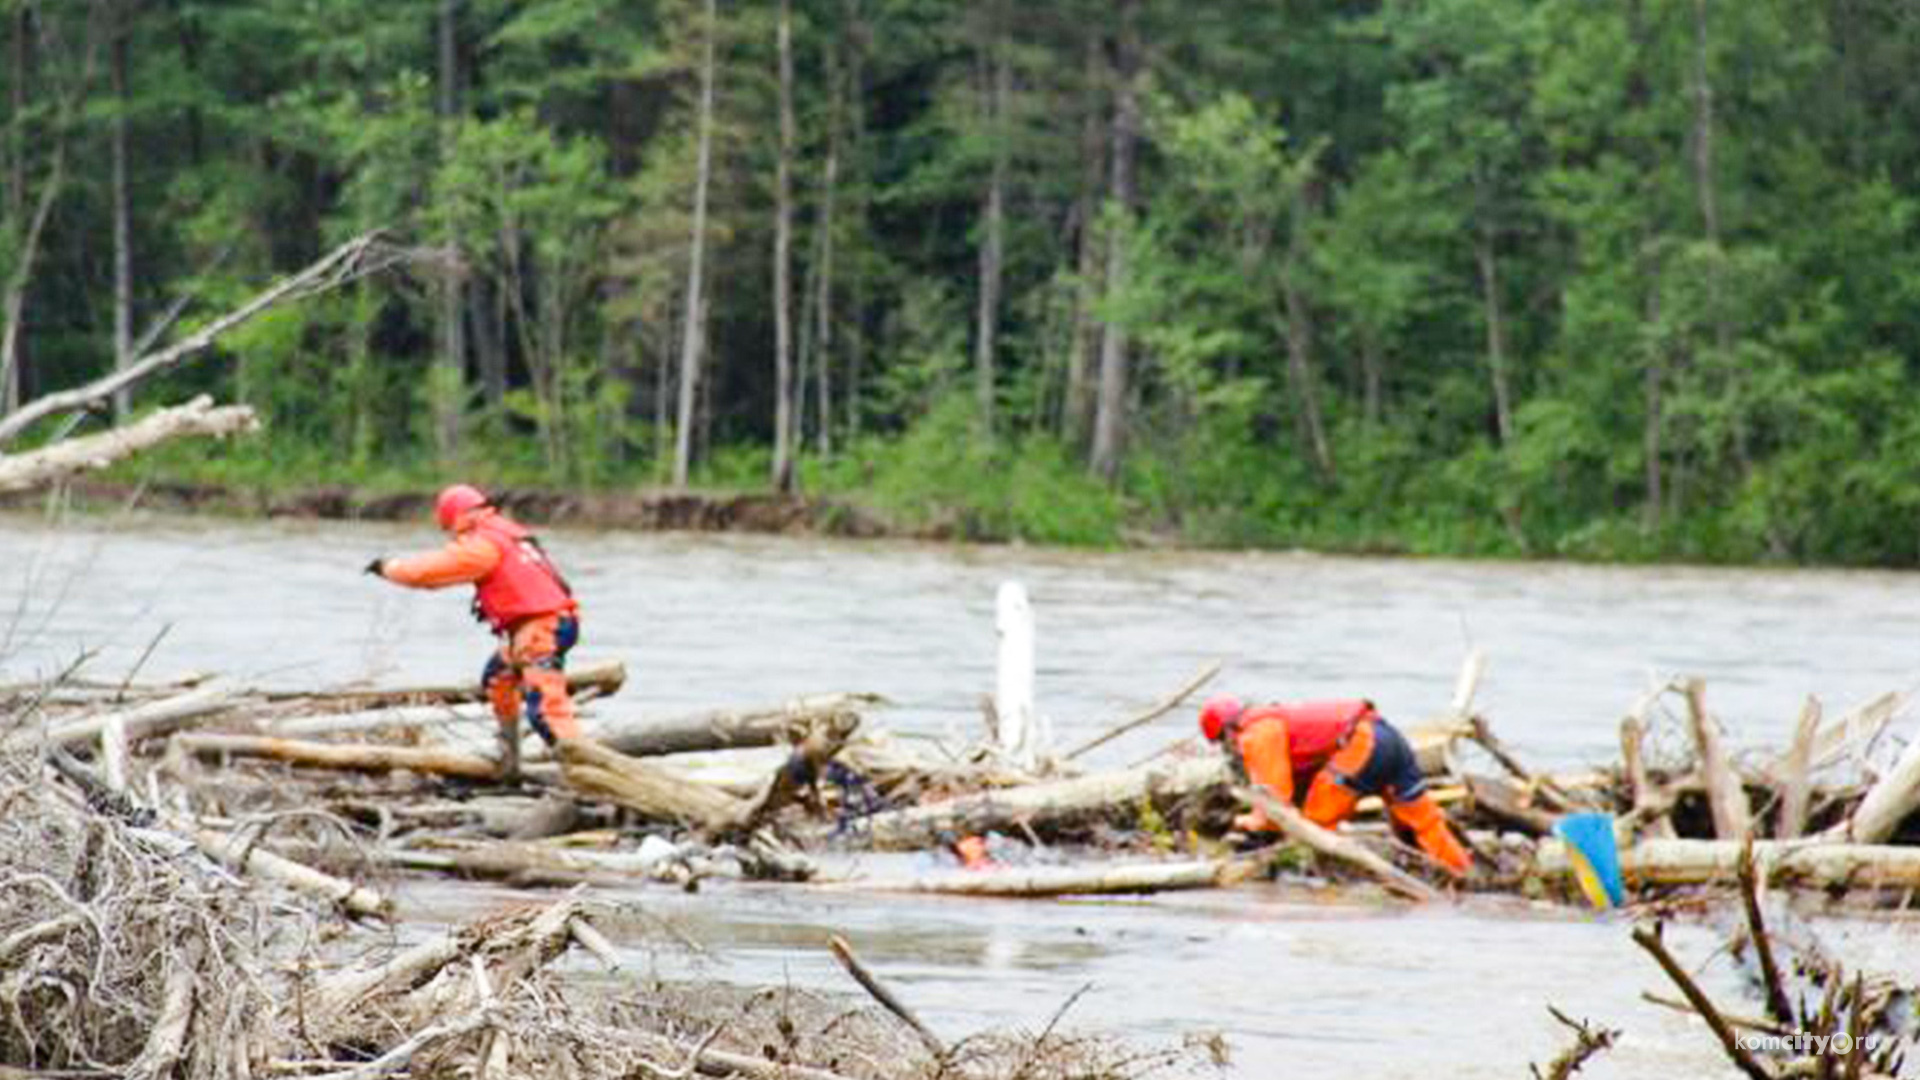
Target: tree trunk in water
<point>694,332</point>
<point>1496,334</point>
<point>122,213</point>
<point>783,267</point>
<point>1300,376</point>
<point>994,114</point>
<point>1109,422</point>
<point>1077,411</point>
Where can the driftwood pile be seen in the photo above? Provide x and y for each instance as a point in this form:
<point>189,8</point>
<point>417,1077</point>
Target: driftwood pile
<point>129,947</point>
<point>306,783</point>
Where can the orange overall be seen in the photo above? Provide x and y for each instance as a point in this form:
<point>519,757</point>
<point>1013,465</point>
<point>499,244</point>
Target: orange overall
<point>1342,750</point>
<point>523,598</point>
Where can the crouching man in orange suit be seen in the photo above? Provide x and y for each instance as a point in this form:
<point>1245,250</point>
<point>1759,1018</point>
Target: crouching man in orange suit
<point>521,596</point>
<point>1334,752</point>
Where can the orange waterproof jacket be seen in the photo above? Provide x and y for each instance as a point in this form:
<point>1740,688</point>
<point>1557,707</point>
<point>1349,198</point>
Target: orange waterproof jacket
<point>512,578</point>
<point>1281,742</point>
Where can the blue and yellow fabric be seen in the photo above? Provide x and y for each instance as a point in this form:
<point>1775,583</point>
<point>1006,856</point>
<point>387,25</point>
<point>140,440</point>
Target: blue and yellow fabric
<point>1595,857</point>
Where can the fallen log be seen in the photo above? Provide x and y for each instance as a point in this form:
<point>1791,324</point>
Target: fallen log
<point>261,863</point>
<point>649,789</point>
<point>19,472</point>
<point>1044,881</point>
<point>727,729</point>
<point>1888,802</point>
<point>1334,846</point>
<point>1795,862</point>
<point>1051,802</point>
<point>151,719</point>
<point>1726,796</point>
<point>353,757</point>
<point>603,676</point>
<point>1543,787</point>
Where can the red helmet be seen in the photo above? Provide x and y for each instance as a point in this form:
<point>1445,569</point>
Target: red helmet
<point>456,501</point>
<point>1216,714</point>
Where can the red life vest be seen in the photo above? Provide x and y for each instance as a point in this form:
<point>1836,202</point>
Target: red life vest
<point>524,583</point>
<point>1315,729</point>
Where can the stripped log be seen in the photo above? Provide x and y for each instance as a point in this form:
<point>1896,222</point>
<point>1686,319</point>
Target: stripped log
<point>1889,801</point>
<point>1732,816</point>
<point>1796,862</point>
<point>352,757</point>
<point>151,719</point>
<point>1334,846</point>
<point>649,789</point>
<point>1796,781</point>
<point>726,729</point>
<point>19,472</point>
<point>261,863</point>
<point>1543,787</point>
<point>603,676</point>
<point>1052,802</point>
<point>1044,881</point>
<point>1433,738</point>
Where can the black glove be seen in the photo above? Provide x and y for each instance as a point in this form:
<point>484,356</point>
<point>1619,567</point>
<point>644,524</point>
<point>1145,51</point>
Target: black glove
<point>378,567</point>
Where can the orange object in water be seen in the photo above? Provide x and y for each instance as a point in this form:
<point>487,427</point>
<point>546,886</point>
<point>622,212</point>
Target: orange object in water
<point>972,851</point>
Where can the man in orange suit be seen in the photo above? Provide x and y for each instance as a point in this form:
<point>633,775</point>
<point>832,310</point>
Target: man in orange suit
<point>1330,753</point>
<point>521,596</point>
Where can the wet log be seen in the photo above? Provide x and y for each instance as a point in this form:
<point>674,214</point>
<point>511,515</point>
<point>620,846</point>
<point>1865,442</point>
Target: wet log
<point>151,719</point>
<point>1044,881</point>
<point>1796,774</point>
<point>726,729</point>
<point>1797,862</point>
<point>650,789</point>
<point>1334,846</point>
<point>509,860</point>
<point>19,472</point>
<point>1051,802</point>
<point>352,757</point>
<point>1726,795</point>
<point>803,767</point>
<point>1889,801</point>
<point>1509,805</point>
<point>603,676</point>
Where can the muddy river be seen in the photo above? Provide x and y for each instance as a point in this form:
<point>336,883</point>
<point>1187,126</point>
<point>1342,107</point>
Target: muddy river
<point>1297,981</point>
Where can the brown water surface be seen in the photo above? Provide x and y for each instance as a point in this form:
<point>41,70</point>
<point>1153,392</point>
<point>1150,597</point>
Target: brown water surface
<point>1298,981</point>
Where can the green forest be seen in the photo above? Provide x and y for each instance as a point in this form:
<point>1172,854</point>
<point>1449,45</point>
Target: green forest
<point>1600,279</point>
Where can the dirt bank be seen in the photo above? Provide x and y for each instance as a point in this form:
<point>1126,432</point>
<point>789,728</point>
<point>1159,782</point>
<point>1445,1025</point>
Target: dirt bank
<point>647,509</point>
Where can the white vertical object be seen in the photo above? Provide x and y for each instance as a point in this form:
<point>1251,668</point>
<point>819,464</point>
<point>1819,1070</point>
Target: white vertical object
<point>1013,691</point>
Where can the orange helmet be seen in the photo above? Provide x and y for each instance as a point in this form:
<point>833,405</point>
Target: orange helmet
<point>456,501</point>
<point>1217,714</point>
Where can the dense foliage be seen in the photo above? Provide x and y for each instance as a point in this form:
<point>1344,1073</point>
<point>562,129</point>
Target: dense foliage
<point>1605,278</point>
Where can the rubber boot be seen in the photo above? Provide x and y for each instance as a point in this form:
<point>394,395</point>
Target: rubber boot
<point>1429,825</point>
<point>509,732</point>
